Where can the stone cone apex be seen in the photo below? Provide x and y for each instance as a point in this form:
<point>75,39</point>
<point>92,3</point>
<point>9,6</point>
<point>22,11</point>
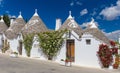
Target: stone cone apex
<point>35,14</point>
<point>20,16</point>
<point>70,15</point>
<point>92,24</point>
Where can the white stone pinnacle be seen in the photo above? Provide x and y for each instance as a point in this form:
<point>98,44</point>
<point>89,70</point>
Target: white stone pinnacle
<point>35,10</point>
<point>92,23</point>
<point>93,20</point>
<point>20,16</point>
<point>70,15</point>
<point>36,14</point>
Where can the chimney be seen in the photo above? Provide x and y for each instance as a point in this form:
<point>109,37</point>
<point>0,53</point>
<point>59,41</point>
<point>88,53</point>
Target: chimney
<point>58,24</point>
<point>12,18</point>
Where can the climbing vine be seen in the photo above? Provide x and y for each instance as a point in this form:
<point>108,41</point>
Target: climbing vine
<point>27,40</point>
<point>105,55</point>
<point>51,42</point>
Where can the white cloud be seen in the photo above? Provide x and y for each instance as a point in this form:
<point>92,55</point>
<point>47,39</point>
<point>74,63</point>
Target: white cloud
<point>114,35</point>
<point>111,13</point>
<point>1,2</point>
<point>78,3</point>
<point>83,12</point>
<point>94,13</point>
<point>7,12</point>
<point>84,24</point>
<point>72,4</point>
<point>118,3</point>
<point>12,16</point>
<point>75,2</point>
<point>88,23</point>
<point>98,17</point>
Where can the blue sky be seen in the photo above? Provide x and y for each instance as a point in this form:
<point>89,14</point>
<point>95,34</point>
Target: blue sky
<point>105,12</point>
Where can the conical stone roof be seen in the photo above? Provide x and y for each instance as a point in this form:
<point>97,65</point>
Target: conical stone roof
<point>3,26</point>
<point>34,25</point>
<point>71,24</point>
<point>94,30</point>
<point>15,28</point>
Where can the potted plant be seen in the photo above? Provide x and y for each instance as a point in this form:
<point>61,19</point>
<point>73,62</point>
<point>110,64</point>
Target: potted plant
<point>62,62</point>
<point>116,64</point>
<point>62,59</point>
<point>14,54</point>
<point>68,62</point>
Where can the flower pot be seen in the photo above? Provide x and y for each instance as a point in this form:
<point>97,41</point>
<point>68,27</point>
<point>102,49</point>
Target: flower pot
<point>68,64</point>
<point>115,66</point>
<point>13,55</point>
<point>62,63</point>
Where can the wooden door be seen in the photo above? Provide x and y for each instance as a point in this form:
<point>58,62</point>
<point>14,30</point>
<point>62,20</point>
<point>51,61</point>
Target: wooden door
<point>70,53</point>
<point>20,47</point>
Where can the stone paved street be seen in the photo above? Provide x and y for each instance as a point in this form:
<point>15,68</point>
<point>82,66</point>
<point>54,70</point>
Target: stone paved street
<point>27,65</point>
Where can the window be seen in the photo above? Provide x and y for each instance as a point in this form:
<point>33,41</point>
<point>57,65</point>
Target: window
<point>88,41</point>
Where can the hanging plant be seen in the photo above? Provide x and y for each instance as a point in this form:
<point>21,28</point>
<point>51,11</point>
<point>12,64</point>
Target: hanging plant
<point>105,55</point>
<point>28,41</point>
<point>51,42</point>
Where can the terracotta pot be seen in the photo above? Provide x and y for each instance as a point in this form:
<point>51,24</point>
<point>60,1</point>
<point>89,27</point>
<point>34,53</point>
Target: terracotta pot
<point>115,66</point>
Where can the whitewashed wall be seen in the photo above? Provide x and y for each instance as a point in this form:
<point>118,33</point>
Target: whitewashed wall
<point>62,53</point>
<point>86,55</point>
<point>36,51</point>
<point>24,51</point>
<point>14,44</point>
<point>35,48</point>
<point>1,41</point>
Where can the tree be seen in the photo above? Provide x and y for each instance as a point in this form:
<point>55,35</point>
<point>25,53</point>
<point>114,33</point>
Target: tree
<point>6,20</point>
<point>51,42</point>
<point>26,20</point>
<point>28,41</point>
